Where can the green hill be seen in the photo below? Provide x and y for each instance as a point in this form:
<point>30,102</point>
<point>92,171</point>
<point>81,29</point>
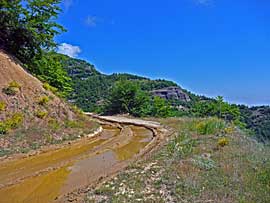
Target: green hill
<point>91,89</point>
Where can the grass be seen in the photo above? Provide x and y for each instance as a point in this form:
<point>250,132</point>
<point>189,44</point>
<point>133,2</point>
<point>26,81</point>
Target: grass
<point>205,165</point>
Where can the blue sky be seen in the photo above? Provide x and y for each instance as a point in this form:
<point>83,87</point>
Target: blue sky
<point>210,47</point>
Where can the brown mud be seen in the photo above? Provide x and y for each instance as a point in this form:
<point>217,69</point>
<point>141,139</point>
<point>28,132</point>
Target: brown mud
<point>54,175</point>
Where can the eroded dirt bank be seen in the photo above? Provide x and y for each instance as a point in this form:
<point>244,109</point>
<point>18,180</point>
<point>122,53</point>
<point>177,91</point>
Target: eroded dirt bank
<point>55,175</point>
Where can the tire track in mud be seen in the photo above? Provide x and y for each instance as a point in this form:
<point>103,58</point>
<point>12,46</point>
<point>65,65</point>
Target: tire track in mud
<point>64,173</point>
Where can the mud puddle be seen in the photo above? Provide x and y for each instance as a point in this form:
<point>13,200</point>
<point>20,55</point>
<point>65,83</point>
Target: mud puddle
<point>44,177</point>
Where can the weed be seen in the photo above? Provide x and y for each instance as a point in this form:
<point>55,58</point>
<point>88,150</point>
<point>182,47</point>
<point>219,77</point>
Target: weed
<point>204,163</point>
<point>12,88</point>
<point>53,124</point>
<point>182,145</point>
<point>2,106</point>
<point>4,152</point>
<point>15,120</point>
<point>41,114</point>
<point>10,91</point>
<point>11,123</point>
<point>73,124</point>
<point>222,142</point>
<point>3,128</point>
<point>14,84</point>
<point>48,87</point>
<point>43,100</point>
<point>210,126</point>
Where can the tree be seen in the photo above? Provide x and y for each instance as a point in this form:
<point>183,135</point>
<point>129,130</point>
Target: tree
<point>127,97</point>
<point>218,107</point>
<point>28,26</point>
<point>160,108</point>
<point>50,69</point>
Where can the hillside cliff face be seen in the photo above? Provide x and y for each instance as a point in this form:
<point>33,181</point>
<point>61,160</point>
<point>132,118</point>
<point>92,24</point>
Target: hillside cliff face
<point>175,93</point>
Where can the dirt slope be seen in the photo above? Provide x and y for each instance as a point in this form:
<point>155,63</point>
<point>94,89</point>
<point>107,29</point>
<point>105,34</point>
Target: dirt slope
<point>30,92</point>
<point>31,116</point>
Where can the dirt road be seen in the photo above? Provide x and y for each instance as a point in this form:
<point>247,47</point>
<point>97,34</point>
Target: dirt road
<point>53,175</point>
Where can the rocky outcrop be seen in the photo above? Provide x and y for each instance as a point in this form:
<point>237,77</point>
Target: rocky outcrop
<point>173,92</point>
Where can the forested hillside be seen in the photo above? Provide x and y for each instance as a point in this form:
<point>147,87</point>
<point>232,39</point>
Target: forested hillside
<point>92,89</point>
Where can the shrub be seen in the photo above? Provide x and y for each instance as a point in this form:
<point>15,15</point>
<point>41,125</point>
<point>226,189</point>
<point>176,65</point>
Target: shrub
<point>229,130</point>
<point>222,142</point>
<point>74,124</point>
<point>210,126</point>
<point>14,84</point>
<point>12,88</point>
<point>53,124</point>
<point>14,121</point>
<point>182,145</point>
<point>48,87</point>
<point>3,128</point>
<point>43,100</point>
<point>2,106</point>
<point>11,123</point>
<point>41,114</point>
<point>204,163</point>
<point>10,91</point>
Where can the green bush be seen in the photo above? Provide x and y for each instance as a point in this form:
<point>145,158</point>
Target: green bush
<point>2,106</point>
<point>41,114</point>
<point>48,87</point>
<point>210,126</point>
<point>11,123</point>
<point>14,84</point>
<point>15,120</point>
<point>182,145</point>
<point>74,124</point>
<point>222,142</point>
<point>12,89</point>
<point>43,100</point>
<point>3,128</point>
<point>53,124</point>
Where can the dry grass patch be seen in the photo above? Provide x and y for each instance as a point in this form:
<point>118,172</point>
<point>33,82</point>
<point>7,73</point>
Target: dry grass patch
<point>191,168</point>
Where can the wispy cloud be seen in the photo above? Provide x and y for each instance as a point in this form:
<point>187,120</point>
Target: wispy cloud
<point>69,50</point>
<point>91,21</point>
<point>203,2</point>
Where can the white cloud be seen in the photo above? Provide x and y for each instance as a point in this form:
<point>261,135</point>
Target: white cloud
<point>91,21</point>
<point>69,50</point>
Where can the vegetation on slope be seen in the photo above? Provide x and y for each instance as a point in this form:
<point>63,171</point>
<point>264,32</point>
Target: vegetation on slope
<point>31,115</point>
<point>257,119</point>
<point>92,92</point>
<point>92,88</point>
<point>221,165</point>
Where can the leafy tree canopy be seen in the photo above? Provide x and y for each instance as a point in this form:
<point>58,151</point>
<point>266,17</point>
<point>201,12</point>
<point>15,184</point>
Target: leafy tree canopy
<point>28,26</point>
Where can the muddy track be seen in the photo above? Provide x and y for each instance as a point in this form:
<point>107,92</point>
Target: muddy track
<point>61,175</point>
